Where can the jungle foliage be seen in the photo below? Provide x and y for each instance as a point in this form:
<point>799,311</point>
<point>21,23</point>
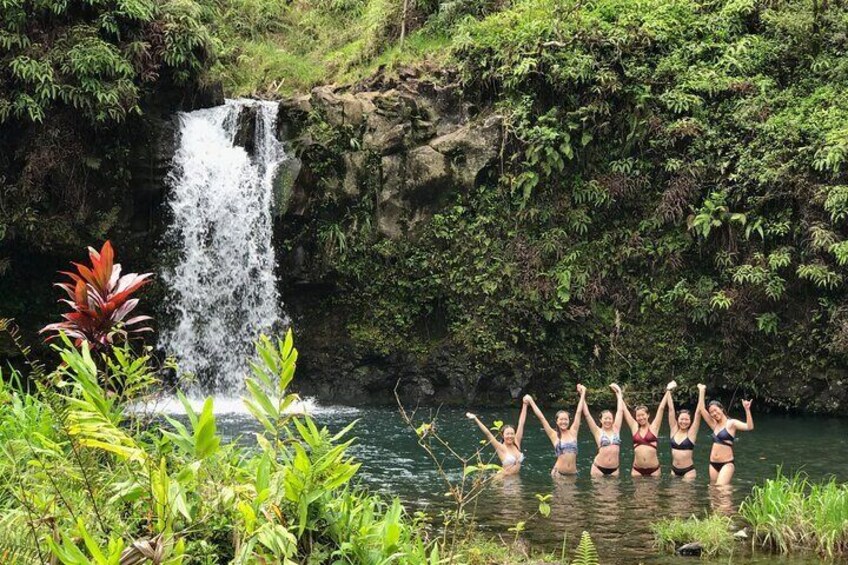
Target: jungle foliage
<point>75,79</point>
<point>92,477</point>
<point>671,201</point>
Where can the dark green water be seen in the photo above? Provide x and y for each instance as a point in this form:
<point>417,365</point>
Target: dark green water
<point>617,512</point>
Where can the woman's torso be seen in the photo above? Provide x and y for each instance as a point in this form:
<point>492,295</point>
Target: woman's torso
<point>565,449</point>
<point>722,450</point>
<point>645,449</point>
<point>511,460</point>
<point>682,450</point>
<point>609,449</point>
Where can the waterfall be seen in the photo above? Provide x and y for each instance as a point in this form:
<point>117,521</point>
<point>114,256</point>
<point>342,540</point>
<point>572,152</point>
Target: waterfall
<point>222,285</point>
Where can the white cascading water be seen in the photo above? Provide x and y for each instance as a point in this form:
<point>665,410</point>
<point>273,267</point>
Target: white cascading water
<point>223,283</point>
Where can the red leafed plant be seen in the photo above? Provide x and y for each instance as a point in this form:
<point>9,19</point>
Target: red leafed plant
<point>100,302</point>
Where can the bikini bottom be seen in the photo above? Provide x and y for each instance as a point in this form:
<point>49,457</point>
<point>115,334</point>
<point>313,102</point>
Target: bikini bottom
<point>646,472</point>
<point>717,465</point>
<point>605,470</point>
<point>682,472</point>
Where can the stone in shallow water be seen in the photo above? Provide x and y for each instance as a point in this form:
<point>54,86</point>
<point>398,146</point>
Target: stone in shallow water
<point>690,550</point>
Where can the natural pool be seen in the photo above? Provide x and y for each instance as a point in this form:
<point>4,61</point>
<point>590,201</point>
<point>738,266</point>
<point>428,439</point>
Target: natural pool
<point>617,512</point>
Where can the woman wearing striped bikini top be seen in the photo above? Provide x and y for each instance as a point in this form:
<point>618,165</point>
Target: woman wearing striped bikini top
<point>606,436</point>
<point>564,437</point>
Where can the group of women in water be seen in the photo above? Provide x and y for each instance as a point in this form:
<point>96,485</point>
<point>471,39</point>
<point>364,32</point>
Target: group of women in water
<point>683,435</point>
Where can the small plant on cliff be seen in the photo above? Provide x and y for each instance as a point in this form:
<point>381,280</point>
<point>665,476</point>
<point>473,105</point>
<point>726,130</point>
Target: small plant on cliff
<point>100,301</point>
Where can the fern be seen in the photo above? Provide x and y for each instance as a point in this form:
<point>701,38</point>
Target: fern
<point>11,553</point>
<point>586,553</point>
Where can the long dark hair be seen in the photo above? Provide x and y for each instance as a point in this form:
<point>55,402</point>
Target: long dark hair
<point>718,405</point>
<point>556,417</point>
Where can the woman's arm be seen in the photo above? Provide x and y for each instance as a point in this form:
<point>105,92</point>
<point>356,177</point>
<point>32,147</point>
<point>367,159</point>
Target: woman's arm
<point>492,440</point>
<point>672,415</point>
<point>579,411</point>
<point>748,424</point>
<point>657,423</point>
<point>548,429</point>
<point>593,427</point>
<point>620,408</point>
<point>522,419</point>
<point>623,410</point>
<point>696,418</point>
<point>702,408</point>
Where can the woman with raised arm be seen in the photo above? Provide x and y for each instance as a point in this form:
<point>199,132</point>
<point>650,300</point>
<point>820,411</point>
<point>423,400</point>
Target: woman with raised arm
<point>509,451</point>
<point>682,436</point>
<point>564,437</point>
<point>724,429</point>
<point>645,460</point>
<point>606,462</point>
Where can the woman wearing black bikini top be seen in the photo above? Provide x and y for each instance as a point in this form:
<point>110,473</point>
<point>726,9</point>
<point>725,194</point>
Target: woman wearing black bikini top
<point>724,429</point>
<point>684,433</point>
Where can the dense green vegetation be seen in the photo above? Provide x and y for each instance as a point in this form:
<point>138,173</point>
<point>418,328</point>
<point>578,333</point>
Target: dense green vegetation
<point>671,201</point>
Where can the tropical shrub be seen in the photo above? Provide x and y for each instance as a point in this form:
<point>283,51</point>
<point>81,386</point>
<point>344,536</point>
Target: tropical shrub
<point>101,302</point>
<point>100,57</point>
<point>115,488</point>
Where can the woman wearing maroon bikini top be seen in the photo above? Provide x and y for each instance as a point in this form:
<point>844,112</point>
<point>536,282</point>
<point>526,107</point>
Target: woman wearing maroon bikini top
<point>645,460</point>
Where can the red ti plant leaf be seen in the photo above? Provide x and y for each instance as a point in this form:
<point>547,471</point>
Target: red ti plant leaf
<point>100,300</point>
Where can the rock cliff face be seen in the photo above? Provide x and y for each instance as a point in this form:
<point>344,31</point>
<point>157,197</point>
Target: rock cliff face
<point>412,142</point>
<point>402,149</point>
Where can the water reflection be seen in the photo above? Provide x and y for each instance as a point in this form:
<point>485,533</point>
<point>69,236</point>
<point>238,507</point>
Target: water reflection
<point>721,499</point>
<point>679,497</point>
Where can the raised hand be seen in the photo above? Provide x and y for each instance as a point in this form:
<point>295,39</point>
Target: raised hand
<point>616,389</point>
<point>702,387</point>
<point>581,389</point>
<point>671,386</point>
<point>746,404</point>
<point>470,416</point>
<point>527,399</point>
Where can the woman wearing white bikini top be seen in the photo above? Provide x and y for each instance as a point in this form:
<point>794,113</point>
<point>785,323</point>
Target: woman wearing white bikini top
<point>509,451</point>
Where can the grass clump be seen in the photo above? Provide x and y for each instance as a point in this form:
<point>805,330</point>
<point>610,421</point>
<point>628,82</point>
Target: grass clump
<point>712,532</point>
<point>481,550</point>
<point>790,514</point>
